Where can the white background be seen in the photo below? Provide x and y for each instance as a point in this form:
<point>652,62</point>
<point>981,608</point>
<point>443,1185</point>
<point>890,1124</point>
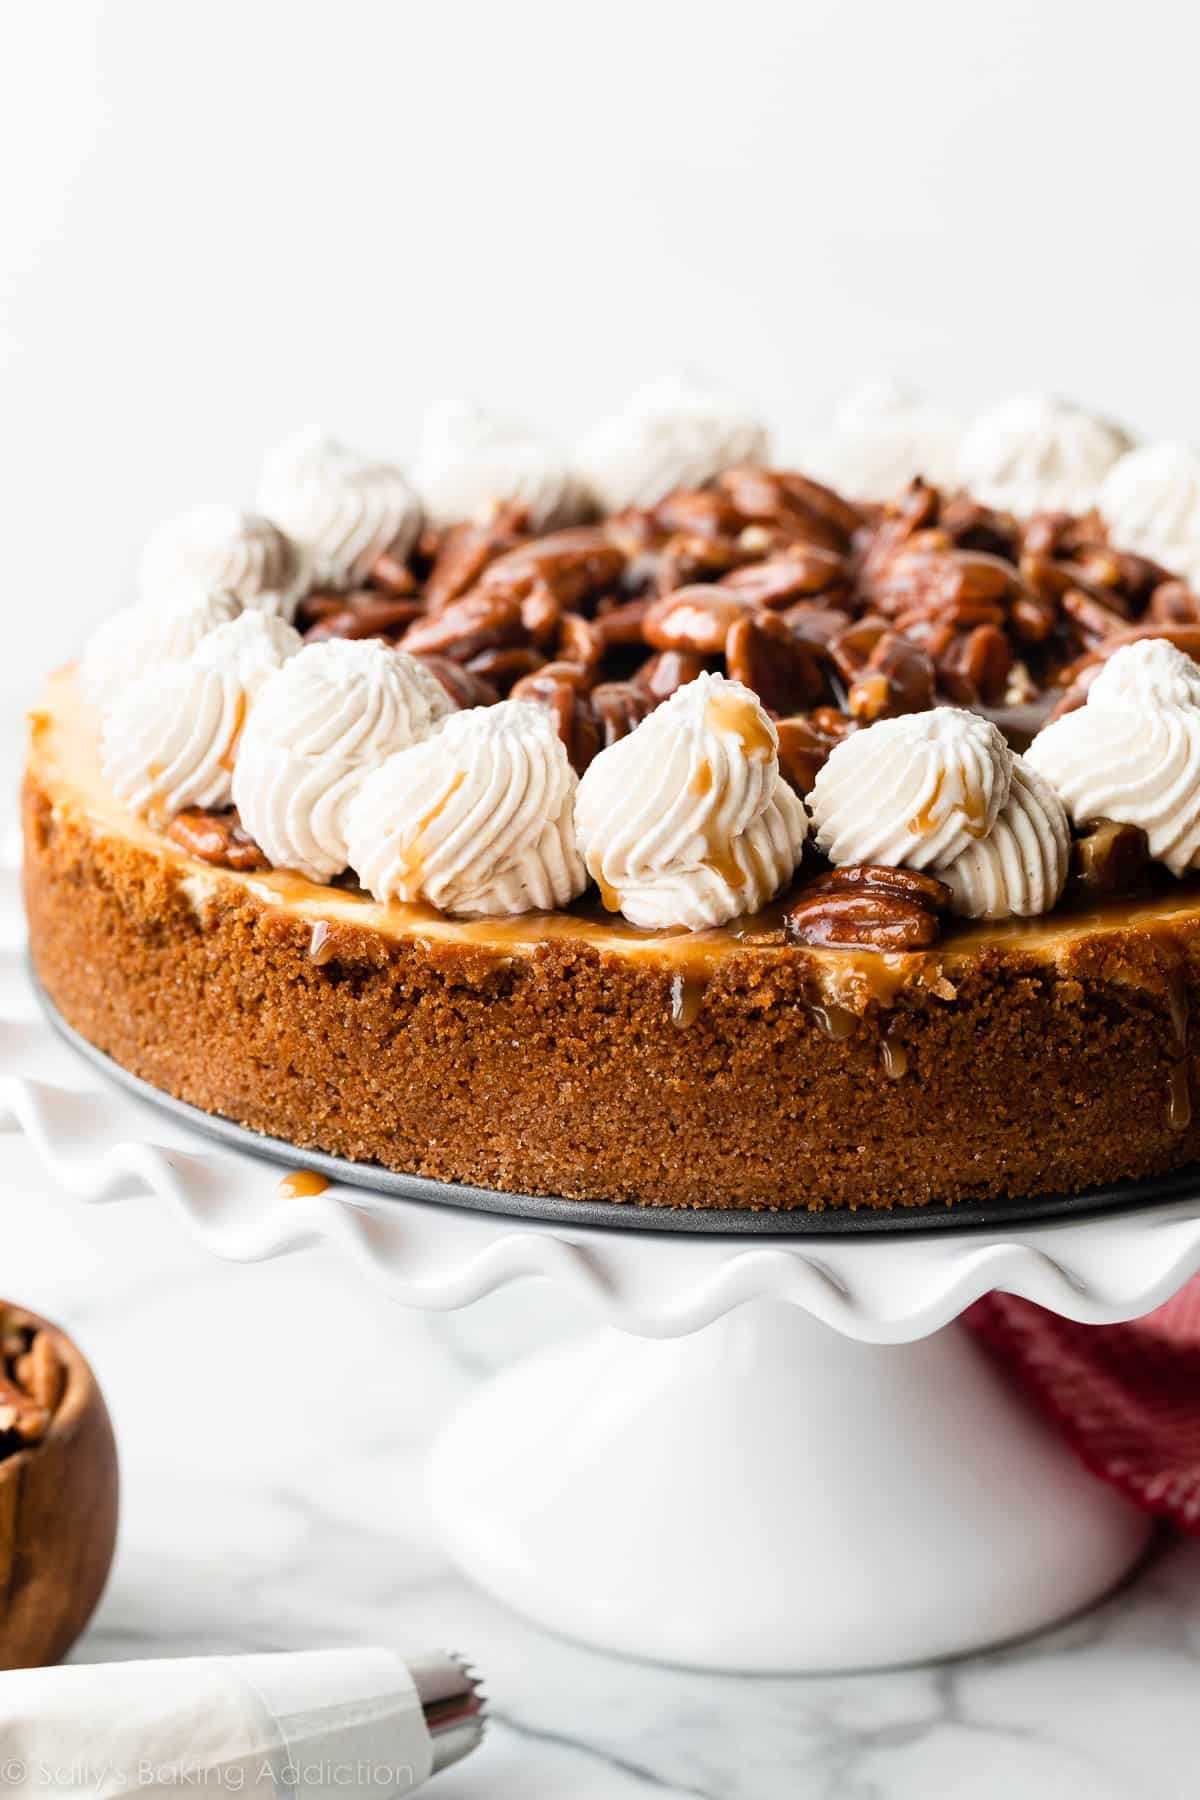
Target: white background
<point>222,220</point>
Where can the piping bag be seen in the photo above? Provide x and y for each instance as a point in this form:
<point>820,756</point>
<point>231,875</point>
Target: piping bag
<point>309,1725</point>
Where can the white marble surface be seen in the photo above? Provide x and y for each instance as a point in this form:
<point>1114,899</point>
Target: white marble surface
<point>272,1422</point>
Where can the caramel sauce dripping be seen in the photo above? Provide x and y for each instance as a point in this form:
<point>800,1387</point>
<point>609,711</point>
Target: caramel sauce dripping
<point>302,1184</point>
<point>410,853</point>
<point>927,819</point>
<point>239,720</point>
<point>610,900</point>
<point>687,997</point>
<point>320,948</point>
<point>702,780</point>
<point>975,821</point>
<point>834,1022</point>
<point>893,1056</point>
<point>742,719</point>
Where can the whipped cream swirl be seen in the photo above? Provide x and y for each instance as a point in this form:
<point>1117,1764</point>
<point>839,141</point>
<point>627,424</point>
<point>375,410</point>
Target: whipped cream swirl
<point>1037,453</point>
<point>171,737</point>
<point>672,435</point>
<point>1132,753</point>
<point>320,724</point>
<point>883,437</point>
<point>478,821</point>
<point>687,822</point>
<point>240,553</point>
<point>142,636</point>
<point>1150,501</point>
<point>342,509</point>
<point>911,792</point>
<point>470,460</point>
<point>1020,868</point>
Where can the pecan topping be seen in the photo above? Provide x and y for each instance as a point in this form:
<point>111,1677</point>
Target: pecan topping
<point>216,837</point>
<point>32,1380</point>
<point>865,907</point>
<point>805,744</point>
<point>464,687</point>
<point>1109,858</point>
<point>897,677</point>
<point>562,688</point>
<point>364,615</point>
<point>462,629</point>
<point>782,669</point>
<point>571,564</point>
<point>692,618</point>
<point>465,551</point>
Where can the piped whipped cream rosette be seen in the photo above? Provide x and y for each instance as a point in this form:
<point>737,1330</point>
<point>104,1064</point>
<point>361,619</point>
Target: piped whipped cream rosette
<point>221,547</point>
<point>687,822</point>
<point>344,510</point>
<point>321,724</point>
<point>1038,453</point>
<point>147,634</point>
<point>941,791</point>
<point>170,739</point>
<point>477,821</point>
<point>673,434</point>
<point>1150,501</point>
<point>471,459</point>
<point>883,437</point>
<point>1132,752</point>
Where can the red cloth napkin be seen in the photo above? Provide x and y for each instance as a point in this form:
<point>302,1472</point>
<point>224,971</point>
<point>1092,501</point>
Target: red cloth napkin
<point>1126,1397</point>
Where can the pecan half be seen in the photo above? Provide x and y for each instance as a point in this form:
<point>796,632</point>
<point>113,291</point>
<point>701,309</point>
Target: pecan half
<point>465,551</point>
<point>217,838</point>
<point>619,707</point>
<point>693,618</point>
<point>782,669</point>
<point>561,687</point>
<point>572,564</point>
<point>463,687</point>
<point>897,677</point>
<point>1109,858</point>
<point>468,626</point>
<point>868,908</point>
<point>805,744</point>
<point>661,675</point>
<point>364,614</point>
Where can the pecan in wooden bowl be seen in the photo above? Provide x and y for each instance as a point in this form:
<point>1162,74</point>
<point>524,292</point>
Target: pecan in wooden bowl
<point>58,1491</point>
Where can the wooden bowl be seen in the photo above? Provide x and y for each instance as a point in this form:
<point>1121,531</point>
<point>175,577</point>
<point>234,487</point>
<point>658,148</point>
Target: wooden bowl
<point>58,1491</point>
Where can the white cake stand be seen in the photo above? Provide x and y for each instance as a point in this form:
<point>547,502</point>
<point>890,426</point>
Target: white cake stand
<point>775,1453</point>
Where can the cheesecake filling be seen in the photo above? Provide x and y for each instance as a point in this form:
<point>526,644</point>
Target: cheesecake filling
<point>688,820</point>
<point>1132,752</point>
<point>477,821</point>
<point>344,510</point>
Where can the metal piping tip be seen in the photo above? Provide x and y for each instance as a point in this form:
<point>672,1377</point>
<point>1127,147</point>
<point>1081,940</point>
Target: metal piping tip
<point>453,1703</point>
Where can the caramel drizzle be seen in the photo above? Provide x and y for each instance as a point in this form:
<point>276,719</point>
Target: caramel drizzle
<point>229,754</point>
<point>687,997</point>
<point>742,719</point>
<point>410,853</point>
<point>302,1184</point>
<point>320,948</point>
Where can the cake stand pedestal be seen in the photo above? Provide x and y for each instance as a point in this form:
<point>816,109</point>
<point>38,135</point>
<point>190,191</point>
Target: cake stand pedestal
<point>780,1452</point>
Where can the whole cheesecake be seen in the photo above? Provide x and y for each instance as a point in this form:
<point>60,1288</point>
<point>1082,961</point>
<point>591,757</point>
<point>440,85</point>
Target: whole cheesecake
<point>847,1038</point>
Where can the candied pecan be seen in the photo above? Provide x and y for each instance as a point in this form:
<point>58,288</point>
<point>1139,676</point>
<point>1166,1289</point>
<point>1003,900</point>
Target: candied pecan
<point>540,615</point>
<point>973,526</point>
<point>619,708</point>
<point>816,624</point>
<point>897,677</point>
<point>685,559</point>
<point>851,648</point>
<point>506,664</point>
<point>560,687</point>
<point>692,618</point>
<point>320,604</point>
<point>1092,618</point>
<point>805,743</point>
<point>869,919</point>
<point>944,581</point>
<point>792,575</point>
<point>667,671</point>
<point>572,564</point>
<point>467,626</point>
<point>1110,858</point>
<point>463,687</point>
<point>392,575</point>
<point>579,641</point>
<point>700,512</point>
<point>1174,603</point>
<point>975,666</point>
<point>783,670</point>
<point>774,497</point>
<point>620,622</point>
<point>465,551</point>
<point>364,614</point>
<point>883,878</point>
<point>216,837</point>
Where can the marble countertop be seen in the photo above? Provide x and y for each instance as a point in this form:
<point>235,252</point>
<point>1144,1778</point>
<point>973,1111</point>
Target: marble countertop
<point>272,1422</point>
